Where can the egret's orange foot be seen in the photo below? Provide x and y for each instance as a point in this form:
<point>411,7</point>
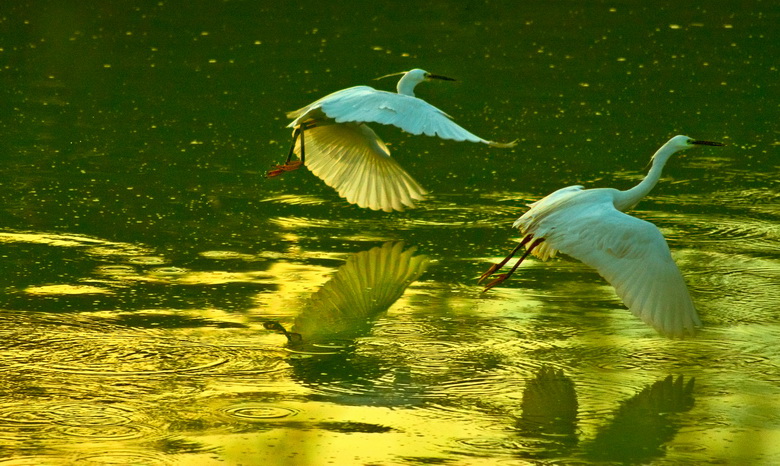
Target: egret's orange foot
<point>489,272</point>
<point>495,282</point>
<point>280,169</point>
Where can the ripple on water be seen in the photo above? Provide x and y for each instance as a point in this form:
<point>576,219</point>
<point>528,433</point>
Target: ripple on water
<point>128,356</point>
<point>397,328</point>
<point>740,232</point>
<point>734,289</point>
<point>92,421</point>
<point>296,199</point>
<point>495,384</point>
<point>31,461</point>
<point>227,255</point>
<point>488,446</point>
<point>43,343</point>
<point>105,433</point>
<point>124,457</point>
<point>255,412</point>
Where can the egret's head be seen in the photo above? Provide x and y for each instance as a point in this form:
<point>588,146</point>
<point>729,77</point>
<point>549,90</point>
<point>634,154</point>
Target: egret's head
<point>417,76</point>
<point>430,76</point>
<point>685,142</point>
<point>412,78</point>
<point>677,144</point>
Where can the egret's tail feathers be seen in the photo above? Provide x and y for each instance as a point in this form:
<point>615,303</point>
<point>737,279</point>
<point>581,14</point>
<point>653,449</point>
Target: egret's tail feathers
<point>352,159</point>
<point>502,145</point>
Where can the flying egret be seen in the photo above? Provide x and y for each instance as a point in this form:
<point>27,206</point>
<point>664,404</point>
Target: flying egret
<point>631,254</point>
<point>332,139</point>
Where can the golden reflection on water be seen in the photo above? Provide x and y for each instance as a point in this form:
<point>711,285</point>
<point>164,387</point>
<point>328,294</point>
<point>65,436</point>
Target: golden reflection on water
<point>66,290</point>
<point>438,360</point>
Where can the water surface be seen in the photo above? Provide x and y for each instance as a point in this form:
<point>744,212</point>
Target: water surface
<point>163,303</point>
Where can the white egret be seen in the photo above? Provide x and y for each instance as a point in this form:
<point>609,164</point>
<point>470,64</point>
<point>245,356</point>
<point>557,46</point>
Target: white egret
<point>631,254</point>
<point>348,156</point>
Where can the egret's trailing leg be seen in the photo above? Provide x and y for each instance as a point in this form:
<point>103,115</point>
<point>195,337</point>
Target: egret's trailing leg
<point>504,276</point>
<point>303,147</point>
<point>493,268</point>
<point>288,165</point>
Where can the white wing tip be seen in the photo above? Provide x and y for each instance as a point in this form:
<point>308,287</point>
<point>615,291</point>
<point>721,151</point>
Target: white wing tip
<point>502,145</point>
<point>674,322</point>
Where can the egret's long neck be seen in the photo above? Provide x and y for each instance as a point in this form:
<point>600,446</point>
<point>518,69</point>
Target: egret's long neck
<point>626,200</point>
<point>406,85</point>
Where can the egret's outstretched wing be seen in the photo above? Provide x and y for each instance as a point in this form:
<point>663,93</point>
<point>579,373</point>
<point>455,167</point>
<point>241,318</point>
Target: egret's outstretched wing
<point>363,104</point>
<point>632,255</point>
<point>352,159</point>
<point>365,286</point>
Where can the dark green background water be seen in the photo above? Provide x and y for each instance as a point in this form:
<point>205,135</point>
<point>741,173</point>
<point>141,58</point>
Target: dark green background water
<point>142,250</point>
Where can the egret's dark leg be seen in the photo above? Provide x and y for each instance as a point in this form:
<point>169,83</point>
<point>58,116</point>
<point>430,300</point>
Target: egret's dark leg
<point>303,146</point>
<point>288,165</point>
<point>296,133</point>
<point>504,276</point>
<point>493,268</point>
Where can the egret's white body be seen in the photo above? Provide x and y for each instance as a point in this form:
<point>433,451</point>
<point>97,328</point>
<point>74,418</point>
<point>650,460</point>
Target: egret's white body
<point>332,139</point>
<point>631,254</point>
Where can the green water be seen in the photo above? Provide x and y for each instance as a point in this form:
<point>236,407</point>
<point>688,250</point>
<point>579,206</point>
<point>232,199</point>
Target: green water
<point>143,252</point>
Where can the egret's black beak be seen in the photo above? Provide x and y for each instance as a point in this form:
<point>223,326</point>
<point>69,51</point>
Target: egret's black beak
<point>436,76</point>
<point>707,143</point>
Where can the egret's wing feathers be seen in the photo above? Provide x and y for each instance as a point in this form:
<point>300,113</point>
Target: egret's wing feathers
<point>363,104</point>
<point>632,255</point>
<point>352,159</point>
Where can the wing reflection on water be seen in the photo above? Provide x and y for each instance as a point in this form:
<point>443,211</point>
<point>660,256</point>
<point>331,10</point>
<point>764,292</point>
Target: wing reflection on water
<point>643,423</point>
<point>326,357</point>
<point>550,411</point>
<point>364,287</point>
<point>637,432</point>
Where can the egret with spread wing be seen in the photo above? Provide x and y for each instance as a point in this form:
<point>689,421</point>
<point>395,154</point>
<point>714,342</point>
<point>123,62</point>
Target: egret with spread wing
<point>332,139</point>
<point>631,254</point>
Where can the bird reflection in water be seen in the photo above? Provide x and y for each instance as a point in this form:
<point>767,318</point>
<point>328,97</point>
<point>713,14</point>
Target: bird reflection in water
<point>643,423</point>
<point>549,409</point>
<point>322,341</point>
<point>292,337</point>
<point>637,431</point>
<point>360,290</point>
